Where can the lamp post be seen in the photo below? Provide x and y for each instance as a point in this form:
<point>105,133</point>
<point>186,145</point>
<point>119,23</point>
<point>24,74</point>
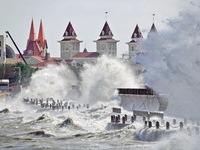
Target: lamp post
<point>19,81</point>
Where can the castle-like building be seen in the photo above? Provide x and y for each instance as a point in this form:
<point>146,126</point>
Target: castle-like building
<point>36,52</point>
<point>36,46</point>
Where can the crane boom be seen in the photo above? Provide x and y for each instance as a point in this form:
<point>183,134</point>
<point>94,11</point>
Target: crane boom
<point>16,47</point>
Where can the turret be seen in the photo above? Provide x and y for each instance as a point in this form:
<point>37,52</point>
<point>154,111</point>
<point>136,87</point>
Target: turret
<point>69,45</point>
<point>106,44</point>
<point>133,44</point>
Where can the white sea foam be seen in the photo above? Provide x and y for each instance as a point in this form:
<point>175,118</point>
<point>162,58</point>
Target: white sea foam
<point>52,81</point>
<point>100,80</point>
<point>172,61</point>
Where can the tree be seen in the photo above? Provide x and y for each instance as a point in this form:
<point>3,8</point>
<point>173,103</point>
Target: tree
<point>16,72</point>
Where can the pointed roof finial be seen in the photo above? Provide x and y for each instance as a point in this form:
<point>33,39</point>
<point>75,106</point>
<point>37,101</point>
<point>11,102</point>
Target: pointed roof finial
<point>106,15</point>
<point>153,17</point>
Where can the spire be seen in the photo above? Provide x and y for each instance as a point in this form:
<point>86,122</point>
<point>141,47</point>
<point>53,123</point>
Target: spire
<point>41,37</point>
<point>69,32</point>
<point>32,36</point>
<point>153,28</point>
<point>106,32</point>
<point>137,33</point>
<point>85,50</point>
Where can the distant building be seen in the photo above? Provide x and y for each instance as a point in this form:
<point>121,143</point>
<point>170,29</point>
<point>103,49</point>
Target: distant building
<point>36,50</point>
<point>36,53</point>
<point>106,45</point>
<point>36,46</point>
<point>69,45</point>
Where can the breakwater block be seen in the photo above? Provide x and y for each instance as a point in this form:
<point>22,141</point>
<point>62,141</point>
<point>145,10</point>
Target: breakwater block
<point>116,126</point>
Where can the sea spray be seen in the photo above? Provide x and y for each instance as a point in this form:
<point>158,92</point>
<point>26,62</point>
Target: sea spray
<point>101,79</point>
<point>53,81</point>
<point>172,63</point>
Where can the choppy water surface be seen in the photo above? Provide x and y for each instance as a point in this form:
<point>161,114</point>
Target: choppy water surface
<point>88,130</point>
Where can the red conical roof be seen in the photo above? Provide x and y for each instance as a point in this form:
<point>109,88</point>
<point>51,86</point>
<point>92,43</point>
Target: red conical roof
<point>69,31</point>
<point>137,33</point>
<point>41,37</point>
<point>32,36</point>
<point>106,31</point>
<point>32,43</point>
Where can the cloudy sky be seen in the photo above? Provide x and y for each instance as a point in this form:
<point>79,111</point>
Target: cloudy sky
<point>87,18</point>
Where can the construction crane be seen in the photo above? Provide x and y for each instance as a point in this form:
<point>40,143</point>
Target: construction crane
<point>16,47</point>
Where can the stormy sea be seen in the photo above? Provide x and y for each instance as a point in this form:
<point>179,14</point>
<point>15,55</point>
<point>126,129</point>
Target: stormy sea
<point>81,119</point>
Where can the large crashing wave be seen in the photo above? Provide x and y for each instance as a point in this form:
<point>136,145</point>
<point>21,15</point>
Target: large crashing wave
<point>172,63</point>
<point>101,79</point>
<point>53,81</point>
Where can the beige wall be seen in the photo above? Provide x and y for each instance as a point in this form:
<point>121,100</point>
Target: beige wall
<point>2,49</point>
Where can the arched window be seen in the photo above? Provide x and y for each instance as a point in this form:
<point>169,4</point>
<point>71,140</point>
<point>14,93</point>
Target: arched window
<point>102,32</point>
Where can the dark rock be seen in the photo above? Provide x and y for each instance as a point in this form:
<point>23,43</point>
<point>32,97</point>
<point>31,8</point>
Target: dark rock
<point>67,122</point>
<point>42,117</point>
<point>6,110</point>
<point>37,133</point>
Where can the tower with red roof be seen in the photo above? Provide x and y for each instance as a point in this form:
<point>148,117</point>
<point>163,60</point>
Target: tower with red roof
<point>106,44</point>
<point>69,45</point>
<point>36,47</point>
<point>135,40</point>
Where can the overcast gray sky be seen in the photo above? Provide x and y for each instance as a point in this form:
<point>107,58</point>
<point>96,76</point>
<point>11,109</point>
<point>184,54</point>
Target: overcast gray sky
<point>87,18</point>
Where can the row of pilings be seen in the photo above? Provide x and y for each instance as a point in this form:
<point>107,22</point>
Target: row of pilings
<point>182,125</point>
<point>50,103</point>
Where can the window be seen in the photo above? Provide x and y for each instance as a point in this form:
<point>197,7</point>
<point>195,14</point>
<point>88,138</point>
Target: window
<point>132,48</point>
<point>30,53</point>
<point>0,43</point>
